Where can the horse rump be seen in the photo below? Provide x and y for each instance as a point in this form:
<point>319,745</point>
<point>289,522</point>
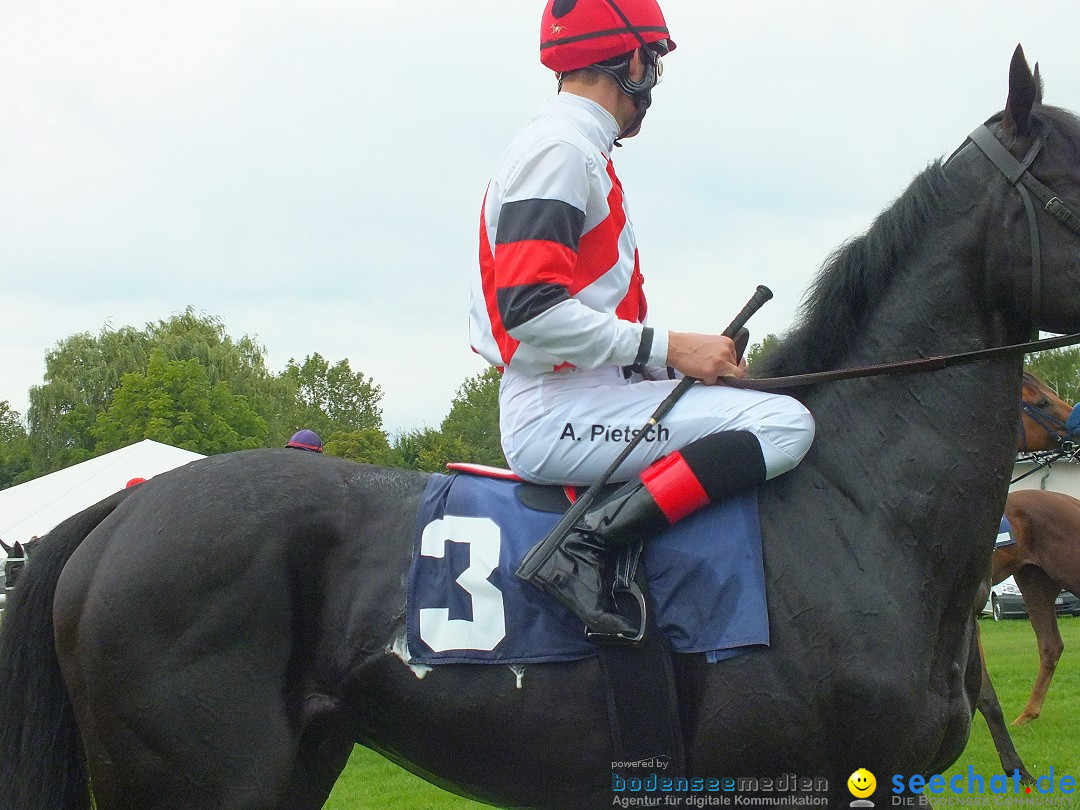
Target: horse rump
<point>42,761</point>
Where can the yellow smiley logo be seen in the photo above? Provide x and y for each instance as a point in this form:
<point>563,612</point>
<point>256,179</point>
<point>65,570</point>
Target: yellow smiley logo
<point>861,783</point>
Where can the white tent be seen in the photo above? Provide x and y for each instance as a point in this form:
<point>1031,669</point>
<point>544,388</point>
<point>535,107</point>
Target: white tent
<point>35,507</point>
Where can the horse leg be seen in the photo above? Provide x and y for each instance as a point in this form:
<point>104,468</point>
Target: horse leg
<point>1005,562</point>
<point>990,708</point>
<point>324,751</point>
<point>1039,592</point>
<point>191,700</point>
<point>233,749</point>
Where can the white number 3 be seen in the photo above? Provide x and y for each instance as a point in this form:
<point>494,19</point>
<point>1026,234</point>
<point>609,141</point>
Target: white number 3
<point>488,625</point>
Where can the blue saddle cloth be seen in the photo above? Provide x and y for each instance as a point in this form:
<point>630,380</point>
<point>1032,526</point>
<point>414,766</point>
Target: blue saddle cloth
<point>465,605</point>
<point>1005,534</point>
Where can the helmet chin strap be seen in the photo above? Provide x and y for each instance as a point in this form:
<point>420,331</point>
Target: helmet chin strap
<point>640,91</point>
<point>635,123</point>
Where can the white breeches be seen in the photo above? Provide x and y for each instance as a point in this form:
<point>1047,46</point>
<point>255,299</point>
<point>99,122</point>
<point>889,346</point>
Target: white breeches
<point>569,426</point>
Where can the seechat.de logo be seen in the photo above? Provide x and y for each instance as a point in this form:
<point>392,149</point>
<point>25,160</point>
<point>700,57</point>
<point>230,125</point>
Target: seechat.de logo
<point>862,783</point>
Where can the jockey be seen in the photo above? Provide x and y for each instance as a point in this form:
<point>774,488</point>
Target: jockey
<point>558,306</point>
<point>306,440</point>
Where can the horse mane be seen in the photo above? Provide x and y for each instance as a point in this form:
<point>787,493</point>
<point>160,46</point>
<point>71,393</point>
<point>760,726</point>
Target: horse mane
<point>831,318</point>
<point>854,277</point>
<point>1064,121</point>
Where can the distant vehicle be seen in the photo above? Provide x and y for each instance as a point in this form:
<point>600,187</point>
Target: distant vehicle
<point>1006,602</point>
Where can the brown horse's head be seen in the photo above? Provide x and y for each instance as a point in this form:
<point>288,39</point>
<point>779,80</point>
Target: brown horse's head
<point>1043,417</point>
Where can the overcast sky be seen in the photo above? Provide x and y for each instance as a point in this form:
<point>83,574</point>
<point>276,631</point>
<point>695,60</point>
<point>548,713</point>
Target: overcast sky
<point>311,171</point>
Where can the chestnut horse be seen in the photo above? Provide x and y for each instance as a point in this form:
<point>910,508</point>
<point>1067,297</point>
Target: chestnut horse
<point>1043,430</point>
<point>1046,525</point>
<point>222,635</point>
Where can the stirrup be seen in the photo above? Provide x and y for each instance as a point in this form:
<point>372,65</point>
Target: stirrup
<point>622,638</point>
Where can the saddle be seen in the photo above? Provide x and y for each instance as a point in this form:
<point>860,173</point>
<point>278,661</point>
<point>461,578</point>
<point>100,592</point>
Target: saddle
<point>553,498</point>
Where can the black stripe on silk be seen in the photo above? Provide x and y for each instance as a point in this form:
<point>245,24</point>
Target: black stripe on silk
<point>518,305</point>
<point>636,29</point>
<point>546,220</point>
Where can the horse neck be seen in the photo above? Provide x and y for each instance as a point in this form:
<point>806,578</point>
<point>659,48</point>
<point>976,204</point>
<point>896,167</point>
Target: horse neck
<point>932,309</point>
<point>927,456</point>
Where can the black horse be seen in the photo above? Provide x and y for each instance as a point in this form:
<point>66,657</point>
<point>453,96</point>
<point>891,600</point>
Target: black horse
<point>17,555</point>
<point>222,635</point>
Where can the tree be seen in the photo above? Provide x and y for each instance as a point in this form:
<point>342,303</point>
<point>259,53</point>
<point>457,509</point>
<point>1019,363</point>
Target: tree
<point>470,431</point>
<point>406,447</point>
<point>757,351</point>
<point>1060,369</point>
<point>240,363</point>
<point>83,371</point>
<point>80,375</point>
<point>14,447</point>
<point>426,449</point>
<point>369,446</point>
<point>472,426</point>
<point>332,399</point>
<point>175,403</point>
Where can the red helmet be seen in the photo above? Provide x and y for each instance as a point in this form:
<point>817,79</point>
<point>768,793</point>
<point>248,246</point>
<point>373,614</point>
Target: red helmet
<point>578,33</point>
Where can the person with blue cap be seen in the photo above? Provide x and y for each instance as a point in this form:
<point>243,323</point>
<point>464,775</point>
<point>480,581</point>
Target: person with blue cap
<point>306,440</point>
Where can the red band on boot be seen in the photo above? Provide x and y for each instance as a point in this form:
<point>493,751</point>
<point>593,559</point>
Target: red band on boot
<point>674,487</point>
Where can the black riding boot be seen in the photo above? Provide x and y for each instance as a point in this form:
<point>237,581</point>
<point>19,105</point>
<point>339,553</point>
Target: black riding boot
<point>705,471</point>
<point>578,572</point>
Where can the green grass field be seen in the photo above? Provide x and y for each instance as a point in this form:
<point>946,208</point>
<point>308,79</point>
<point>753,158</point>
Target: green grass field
<point>370,781</point>
<point>1052,741</point>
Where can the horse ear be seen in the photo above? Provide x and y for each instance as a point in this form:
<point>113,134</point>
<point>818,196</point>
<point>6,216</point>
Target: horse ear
<point>18,550</point>
<point>1038,85</point>
<point>1023,93</point>
<point>7,548</point>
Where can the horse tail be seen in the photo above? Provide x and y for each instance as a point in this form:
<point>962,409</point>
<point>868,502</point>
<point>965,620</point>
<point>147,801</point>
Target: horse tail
<point>42,760</point>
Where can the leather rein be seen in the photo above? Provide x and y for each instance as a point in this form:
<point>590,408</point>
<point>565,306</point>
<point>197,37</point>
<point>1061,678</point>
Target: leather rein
<point>902,367</point>
<point>1018,174</point>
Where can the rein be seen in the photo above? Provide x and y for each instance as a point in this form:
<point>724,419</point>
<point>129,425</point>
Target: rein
<point>1043,463</point>
<point>902,367</point>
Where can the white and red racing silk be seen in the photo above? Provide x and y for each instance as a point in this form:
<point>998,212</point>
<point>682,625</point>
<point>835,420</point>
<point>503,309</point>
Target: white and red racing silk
<point>558,281</point>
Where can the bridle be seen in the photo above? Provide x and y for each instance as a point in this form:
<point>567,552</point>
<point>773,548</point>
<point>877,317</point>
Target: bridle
<point>1061,431</point>
<point>1017,172</point>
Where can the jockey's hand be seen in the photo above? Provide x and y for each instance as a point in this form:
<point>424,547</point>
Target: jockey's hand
<point>707,357</point>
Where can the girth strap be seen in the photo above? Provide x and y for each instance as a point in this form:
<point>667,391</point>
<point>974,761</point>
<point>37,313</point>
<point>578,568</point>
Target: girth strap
<point>642,699</point>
